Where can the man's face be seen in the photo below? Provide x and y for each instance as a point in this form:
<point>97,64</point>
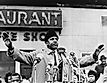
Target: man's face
<point>52,43</point>
<point>15,79</point>
<point>91,78</point>
<point>103,61</point>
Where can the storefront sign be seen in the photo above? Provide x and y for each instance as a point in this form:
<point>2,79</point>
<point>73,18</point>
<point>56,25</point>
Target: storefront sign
<point>25,36</point>
<point>30,18</point>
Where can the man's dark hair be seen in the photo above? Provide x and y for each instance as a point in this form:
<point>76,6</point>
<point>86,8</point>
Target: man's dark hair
<point>102,57</point>
<point>50,33</point>
<point>92,72</point>
<point>6,76</point>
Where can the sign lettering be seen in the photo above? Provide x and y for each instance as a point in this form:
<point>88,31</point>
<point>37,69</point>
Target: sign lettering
<point>34,18</point>
<point>25,36</point>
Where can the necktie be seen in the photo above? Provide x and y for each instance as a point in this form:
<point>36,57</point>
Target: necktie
<point>55,61</point>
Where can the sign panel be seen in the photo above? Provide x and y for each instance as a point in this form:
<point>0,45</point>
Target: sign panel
<point>25,35</point>
<point>30,18</point>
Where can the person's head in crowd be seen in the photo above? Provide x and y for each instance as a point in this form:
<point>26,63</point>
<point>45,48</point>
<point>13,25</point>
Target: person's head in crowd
<point>8,77</point>
<point>51,39</point>
<point>92,75</point>
<point>16,78</point>
<point>105,75</point>
<point>103,59</point>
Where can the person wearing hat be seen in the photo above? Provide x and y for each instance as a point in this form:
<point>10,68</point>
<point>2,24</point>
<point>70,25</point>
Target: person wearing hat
<point>100,68</point>
<point>44,61</point>
<point>92,76</point>
<point>103,59</point>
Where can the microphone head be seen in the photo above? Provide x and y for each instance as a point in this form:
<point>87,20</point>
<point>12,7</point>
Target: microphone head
<point>39,57</point>
<point>61,50</point>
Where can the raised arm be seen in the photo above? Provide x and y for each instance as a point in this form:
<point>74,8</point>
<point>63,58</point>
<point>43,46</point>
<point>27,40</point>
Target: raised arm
<point>20,56</point>
<point>89,60</point>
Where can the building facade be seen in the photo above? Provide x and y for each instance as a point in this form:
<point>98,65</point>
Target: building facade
<point>80,29</point>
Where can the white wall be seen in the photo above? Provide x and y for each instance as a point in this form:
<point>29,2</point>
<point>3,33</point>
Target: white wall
<point>82,29</point>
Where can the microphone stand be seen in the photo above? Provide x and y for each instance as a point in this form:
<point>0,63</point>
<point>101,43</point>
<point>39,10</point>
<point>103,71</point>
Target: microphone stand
<point>48,73</point>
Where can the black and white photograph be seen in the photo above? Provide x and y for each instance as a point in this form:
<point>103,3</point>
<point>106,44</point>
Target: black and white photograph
<point>53,41</point>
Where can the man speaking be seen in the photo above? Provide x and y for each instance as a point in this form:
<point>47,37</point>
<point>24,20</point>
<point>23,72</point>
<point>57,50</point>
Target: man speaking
<point>39,60</point>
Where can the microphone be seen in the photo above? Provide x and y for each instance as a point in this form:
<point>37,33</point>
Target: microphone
<point>61,50</point>
<point>48,67</point>
<point>38,58</point>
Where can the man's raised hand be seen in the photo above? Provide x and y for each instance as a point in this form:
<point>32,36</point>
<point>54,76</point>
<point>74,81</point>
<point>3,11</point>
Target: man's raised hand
<point>7,40</point>
<point>100,48</point>
<point>98,51</point>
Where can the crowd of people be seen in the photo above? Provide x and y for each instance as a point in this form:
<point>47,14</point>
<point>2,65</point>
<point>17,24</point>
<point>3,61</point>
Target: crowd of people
<point>95,75</point>
<point>51,64</point>
<point>14,78</point>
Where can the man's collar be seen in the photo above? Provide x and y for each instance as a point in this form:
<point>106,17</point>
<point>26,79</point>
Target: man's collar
<point>49,51</point>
